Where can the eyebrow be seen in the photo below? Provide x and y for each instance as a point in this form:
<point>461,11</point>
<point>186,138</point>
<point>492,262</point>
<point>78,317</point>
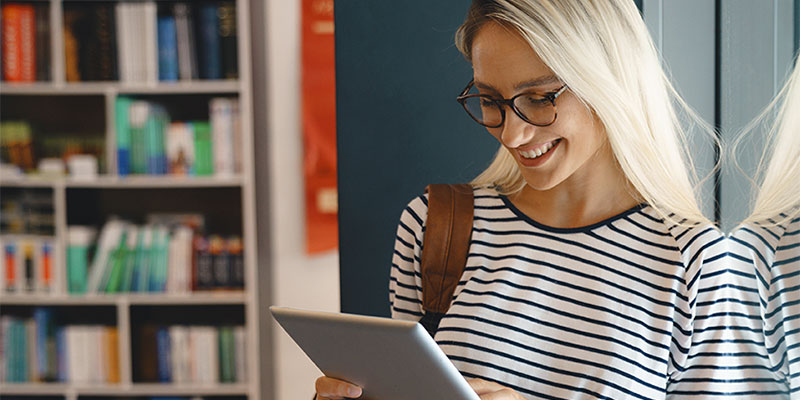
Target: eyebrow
<point>543,80</point>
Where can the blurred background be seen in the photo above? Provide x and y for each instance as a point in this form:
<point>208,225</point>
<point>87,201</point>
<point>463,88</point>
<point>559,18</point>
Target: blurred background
<point>170,169</point>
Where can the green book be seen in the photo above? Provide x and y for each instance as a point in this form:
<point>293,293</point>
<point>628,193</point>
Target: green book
<point>122,124</point>
<point>227,368</point>
<point>117,264</point>
<point>203,152</point>
<point>77,257</point>
<point>139,112</point>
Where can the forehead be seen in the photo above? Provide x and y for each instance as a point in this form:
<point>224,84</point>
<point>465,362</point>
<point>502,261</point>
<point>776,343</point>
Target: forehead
<point>502,59</point>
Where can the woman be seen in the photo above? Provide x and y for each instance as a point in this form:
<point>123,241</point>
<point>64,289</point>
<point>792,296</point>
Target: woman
<point>583,278</point>
<point>769,241</point>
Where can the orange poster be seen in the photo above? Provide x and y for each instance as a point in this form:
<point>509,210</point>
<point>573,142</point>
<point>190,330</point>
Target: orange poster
<point>319,125</point>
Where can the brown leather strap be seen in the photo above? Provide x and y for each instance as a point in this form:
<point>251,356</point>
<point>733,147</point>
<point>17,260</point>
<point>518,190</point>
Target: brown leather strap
<point>448,229</point>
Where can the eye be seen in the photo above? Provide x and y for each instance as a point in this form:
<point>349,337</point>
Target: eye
<point>534,100</point>
<point>487,102</point>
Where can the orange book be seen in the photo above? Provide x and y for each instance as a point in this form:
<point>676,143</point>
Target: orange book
<point>113,354</point>
<point>19,43</point>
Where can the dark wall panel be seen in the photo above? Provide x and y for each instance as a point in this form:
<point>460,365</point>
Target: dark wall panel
<point>399,128</point>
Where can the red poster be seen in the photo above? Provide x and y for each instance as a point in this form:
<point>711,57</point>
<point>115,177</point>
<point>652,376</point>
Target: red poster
<point>319,125</point>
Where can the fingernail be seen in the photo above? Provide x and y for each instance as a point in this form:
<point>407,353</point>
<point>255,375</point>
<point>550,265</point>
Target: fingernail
<point>354,391</point>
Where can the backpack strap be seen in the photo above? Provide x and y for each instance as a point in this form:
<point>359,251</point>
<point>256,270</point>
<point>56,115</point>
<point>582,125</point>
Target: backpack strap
<point>448,229</point>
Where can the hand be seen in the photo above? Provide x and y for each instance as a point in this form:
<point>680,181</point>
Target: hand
<point>333,389</point>
<point>493,391</point>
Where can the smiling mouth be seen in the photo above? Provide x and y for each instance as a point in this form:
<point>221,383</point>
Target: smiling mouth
<point>539,150</point>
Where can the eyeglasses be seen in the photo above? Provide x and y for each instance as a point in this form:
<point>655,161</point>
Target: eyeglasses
<point>534,108</point>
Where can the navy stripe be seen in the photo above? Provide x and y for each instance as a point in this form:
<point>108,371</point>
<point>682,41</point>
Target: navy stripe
<point>404,272</point>
<point>597,264</point>
<point>761,238</point>
<point>403,257</point>
<point>533,320</point>
<point>576,287</point>
<point>641,240</point>
<point>409,312</point>
<point>659,221</point>
<point>556,370</point>
<point>577,302</point>
<point>548,339</point>
<point>404,243</point>
<point>415,216</point>
<point>634,251</point>
<point>579,273</point>
<point>404,285</point>
<point>563,313</point>
<point>644,228</point>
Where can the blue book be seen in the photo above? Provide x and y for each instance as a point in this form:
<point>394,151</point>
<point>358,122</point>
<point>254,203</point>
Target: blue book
<point>43,318</point>
<point>210,58</point>
<point>167,49</point>
<point>163,349</point>
<point>61,354</point>
<point>22,352</point>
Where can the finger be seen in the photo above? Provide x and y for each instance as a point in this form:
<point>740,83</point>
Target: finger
<point>503,394</point>
<point>336,389</point>
<point>481,386</point>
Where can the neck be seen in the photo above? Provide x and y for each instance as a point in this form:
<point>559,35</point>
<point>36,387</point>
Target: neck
<point>598,190</point>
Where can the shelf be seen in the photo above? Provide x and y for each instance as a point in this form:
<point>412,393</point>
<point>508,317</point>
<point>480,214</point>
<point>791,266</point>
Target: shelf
<point>230,297</point>
<point>99,88</point>
<point>115,182</point>
<point>137,389</point>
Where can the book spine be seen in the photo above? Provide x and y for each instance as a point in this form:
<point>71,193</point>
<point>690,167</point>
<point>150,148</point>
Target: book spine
<point>12,15</point>
<point>209,43</point>
<point>221,112</point>
<point>42,12</point>
<point>221,262</point>
<point>167,49</point>
<point>204,154</point>
<point>122,124</point>
<point>164,350</point>
<point>228,39</point>
<point>112,346</point>
<point>104,31</point>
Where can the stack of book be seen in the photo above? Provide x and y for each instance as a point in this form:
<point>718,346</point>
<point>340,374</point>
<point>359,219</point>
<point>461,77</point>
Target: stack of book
<point>148,142</point>
<point>155,257</point>
<point>27,211</point>
<point>25,42</point>
<point>149,41</point>
<point>191,354</point>
<point>37,350</point>
<point>28,265</point>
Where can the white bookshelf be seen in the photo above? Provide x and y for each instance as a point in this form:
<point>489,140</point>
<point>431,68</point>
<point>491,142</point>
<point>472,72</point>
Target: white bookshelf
<point>248,299</point>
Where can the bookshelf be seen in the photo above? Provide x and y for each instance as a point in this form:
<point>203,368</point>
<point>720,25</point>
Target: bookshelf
<point>227,201</point>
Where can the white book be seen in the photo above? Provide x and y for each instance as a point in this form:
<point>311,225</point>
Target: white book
<point>5,324</point>
<point>240,353</point>
<point>212,344</point>
<point>180,148</point>
<point>58,270</point>
<point>90,341</point>
<point>172,266</point>
<point>185,237</point>
<point>238,152</point>
<point>101,346</point>
<point>123,50</point>
<point>73,358</point>
<point>20,277</point>
<point>109,239</point>
<point>150,13</point>
<point>39,285</point>
<point>178,343</point>
<point>183,31</point>
<point>221,114</point>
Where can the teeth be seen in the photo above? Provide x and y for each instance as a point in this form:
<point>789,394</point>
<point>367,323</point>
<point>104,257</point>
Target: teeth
<point>537,152</point>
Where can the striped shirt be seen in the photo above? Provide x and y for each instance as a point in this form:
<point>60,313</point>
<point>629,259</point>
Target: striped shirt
<point>613,310</point>
<point>774,255</point>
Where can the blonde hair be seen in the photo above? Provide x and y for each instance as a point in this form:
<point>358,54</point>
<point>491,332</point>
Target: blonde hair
<point>778,198</point>
<point>602,50</point>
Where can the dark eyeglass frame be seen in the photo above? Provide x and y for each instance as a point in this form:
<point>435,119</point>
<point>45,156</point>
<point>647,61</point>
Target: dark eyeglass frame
<point>551,96</point>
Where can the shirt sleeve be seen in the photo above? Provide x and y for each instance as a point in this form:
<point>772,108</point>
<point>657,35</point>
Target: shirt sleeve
<point>725,357</point>
<point>405,279</point>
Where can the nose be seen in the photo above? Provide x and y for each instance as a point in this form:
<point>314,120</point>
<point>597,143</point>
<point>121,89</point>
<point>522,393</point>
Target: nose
<point>515,131</point>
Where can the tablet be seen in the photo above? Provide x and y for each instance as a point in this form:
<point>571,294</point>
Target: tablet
<point>389,359</point>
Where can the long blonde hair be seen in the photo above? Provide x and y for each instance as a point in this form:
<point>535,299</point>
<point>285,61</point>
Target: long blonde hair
<point>778,197</point>
<point>602,50</point>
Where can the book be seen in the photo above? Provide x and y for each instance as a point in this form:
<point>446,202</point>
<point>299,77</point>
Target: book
<point>180,149</point>
<point>42,17</point>
<point>112,351</point>
<point>108,241</point>
<point>187,53</point>
<point>164,355</point>
<point>167,48</point>
<point>221,111</point>
<point>79,240</point>
<point>105,36</point>
<point>221,265</point>
<point>19,42</point>
<point>122,105</point>
<point>208,41</point>
<point>240,350</point>
<point>203,148</point>
<point>203,265</point>
<point>236,253</point>
<point>228,39</point>
<point>150,16</point>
